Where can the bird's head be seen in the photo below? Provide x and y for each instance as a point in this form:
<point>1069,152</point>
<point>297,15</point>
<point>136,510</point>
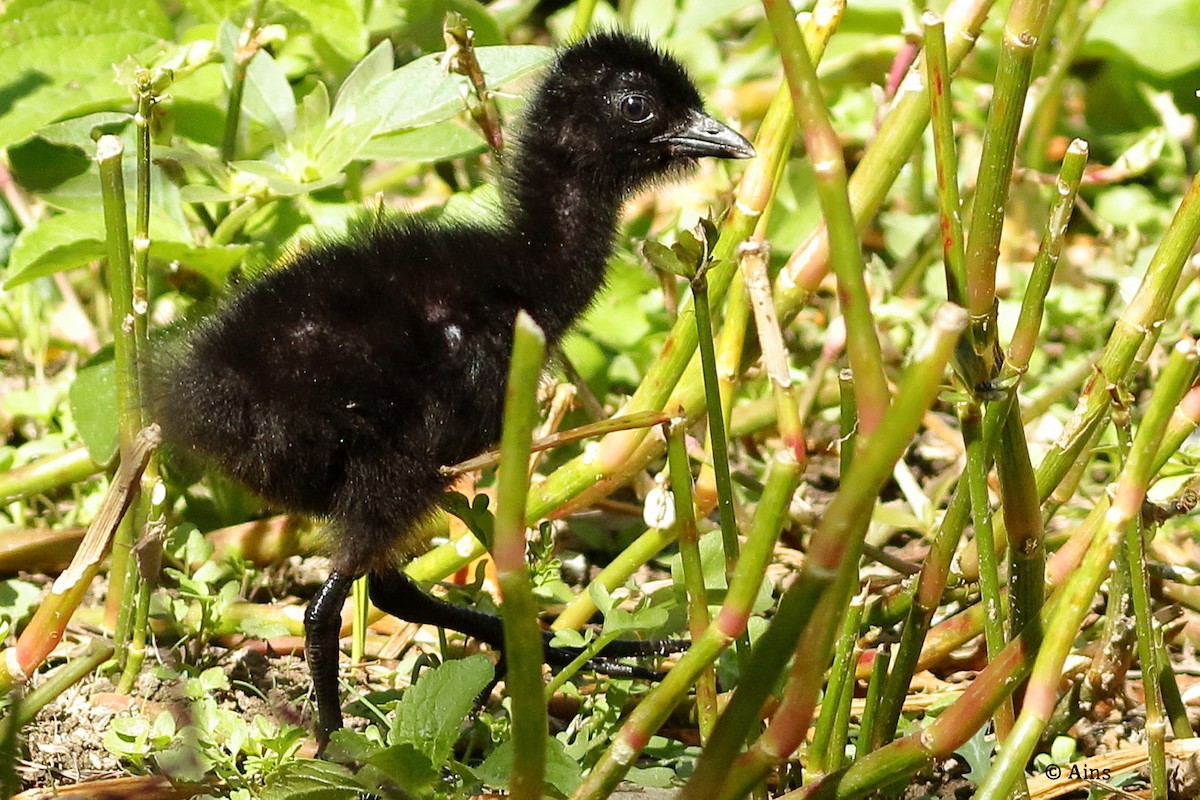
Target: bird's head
<point>617,110</point>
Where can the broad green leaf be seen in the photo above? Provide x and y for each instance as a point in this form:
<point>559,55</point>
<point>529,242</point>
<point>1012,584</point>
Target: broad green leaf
<point>312,118</point>
<point>420,93</point>
<point>82,193</point>
<point>39,165</point>
<point>70,240</point>
<point>61,242</point>
<point>376,101</point>
<point>308,779</point>
<point>337,22</point>
<point>697,15</point>
<point>93,399</point>
<point>213,262</point>
<point>58,56</point>
<point>375,67</point>
<point>563,773</point>
<point>27,20</point>
<point>421,22</point>
<point>430,713</point>
<point>342,145</point>
<point>268,95</point>
<point>82,132</point>
<point>280,182</point>
<point>437,142</point>
<point>81,80</point>
<point>347,745</point>
<point>1162,37</point>
<point>202,193</point>
<point>214,10</point>
<point>404,765</point>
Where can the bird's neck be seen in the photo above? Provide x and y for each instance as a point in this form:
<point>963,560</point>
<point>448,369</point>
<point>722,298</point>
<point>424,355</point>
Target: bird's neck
<point>565,224</point>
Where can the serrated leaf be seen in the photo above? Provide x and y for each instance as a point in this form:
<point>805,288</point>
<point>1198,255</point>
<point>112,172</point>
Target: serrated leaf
<point>407,766</point>
<point>351,746</point>
<point>430,713</point>
<point>977,752</point>
<point>307,779</point>
<point>93,398</point>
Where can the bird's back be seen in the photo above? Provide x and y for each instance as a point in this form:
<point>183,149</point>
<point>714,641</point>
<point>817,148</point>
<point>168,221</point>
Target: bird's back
<point>360,365</point>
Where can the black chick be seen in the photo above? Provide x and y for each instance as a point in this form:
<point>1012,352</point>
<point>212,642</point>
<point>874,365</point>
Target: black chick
<point>339,384</point>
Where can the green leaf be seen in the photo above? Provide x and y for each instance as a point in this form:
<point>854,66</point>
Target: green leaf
<point>201,193</point>
<point>18,599</point>
<point>337,22</point>
<point>1162,37</point>
<point>666,259</point>
<point>307,779</point>
<point>357,86</point>
<point>280,182</point>
<point>421,22</point>
<point>439,142</point>
<point>977,752</point>
<point>70,240</point>
<point>697,15</point>
<point>563,773</point>
<point>30,20</point>
<point>56,243</point>
<point>268,95</point>
<point>407,766</point>
<point>421,93</point>
<point>78,134</point>
<point>312,118</point>
<point>429,715</point>
<point>349,746</point>
<point>93,399</point>
<point>58,56</point>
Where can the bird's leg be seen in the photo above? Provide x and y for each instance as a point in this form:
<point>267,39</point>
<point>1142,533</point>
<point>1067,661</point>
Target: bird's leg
<point>400,596</point>
<point>322,623</point>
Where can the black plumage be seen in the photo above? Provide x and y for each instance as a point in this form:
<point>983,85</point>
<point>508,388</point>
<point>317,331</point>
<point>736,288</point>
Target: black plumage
<point>338,384</point>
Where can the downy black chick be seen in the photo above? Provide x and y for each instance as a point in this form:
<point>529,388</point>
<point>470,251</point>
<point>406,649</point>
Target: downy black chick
<point>338,384</point>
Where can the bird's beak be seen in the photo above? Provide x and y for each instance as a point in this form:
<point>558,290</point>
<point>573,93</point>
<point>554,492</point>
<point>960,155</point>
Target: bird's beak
<point>701,135</point>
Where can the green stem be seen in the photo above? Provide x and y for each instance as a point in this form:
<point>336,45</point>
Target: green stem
<point>47,473</point>
<point>522,637</point>
<point>825,152</point>
<point>833,551</point>
<point>245,52</point>
<point>716,422</point>
<point>1018,47</point>
<point>729,624</point>
<point>693,571</point>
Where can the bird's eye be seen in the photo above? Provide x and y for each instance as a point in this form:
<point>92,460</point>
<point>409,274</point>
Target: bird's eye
<point>636,108</point>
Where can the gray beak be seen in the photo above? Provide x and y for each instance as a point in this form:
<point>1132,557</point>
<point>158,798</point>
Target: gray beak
<point>700,135</point>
